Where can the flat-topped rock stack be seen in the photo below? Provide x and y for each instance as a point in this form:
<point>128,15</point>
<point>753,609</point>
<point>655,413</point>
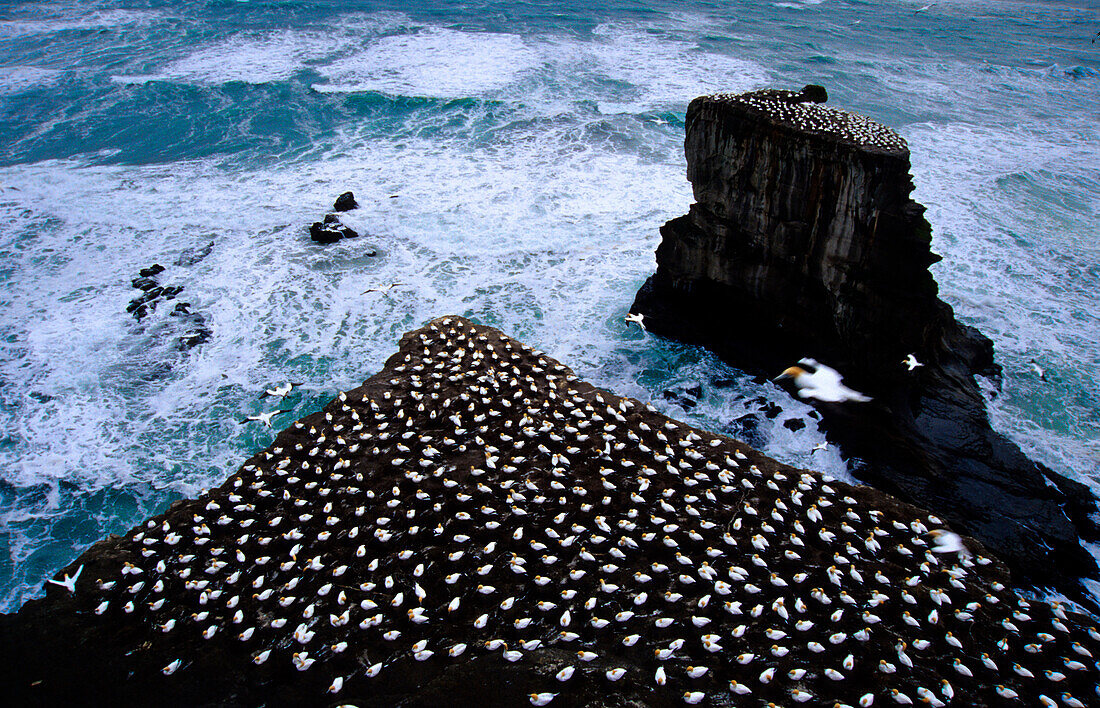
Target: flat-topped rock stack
<point>475,525</point>
<point>804,242</point>
<point>805,112</point>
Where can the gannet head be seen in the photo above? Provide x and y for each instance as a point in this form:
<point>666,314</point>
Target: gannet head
<point>792,372</point>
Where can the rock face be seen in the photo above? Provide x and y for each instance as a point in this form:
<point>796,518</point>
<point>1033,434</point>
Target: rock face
<point>345,202</point>
<point>330,230</point>
<point>804,242</point>
<point>474,516</point>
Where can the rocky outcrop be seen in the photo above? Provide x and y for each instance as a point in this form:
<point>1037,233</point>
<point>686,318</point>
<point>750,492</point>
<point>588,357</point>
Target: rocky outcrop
<point>345,202</point>
<point>475,516</point>
<point>188,328</point>
<point>804,242</point>
<point>331,230</point>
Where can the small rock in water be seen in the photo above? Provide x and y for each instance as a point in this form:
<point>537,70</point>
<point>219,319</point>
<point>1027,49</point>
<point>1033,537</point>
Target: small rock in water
<point>794,424</point>
<point>191,256</point>
<point>330,230</point>
<point>195,329</point>
<point>345,202</point>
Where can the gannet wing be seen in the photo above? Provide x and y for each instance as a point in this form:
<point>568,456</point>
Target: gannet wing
<point>826,376</point>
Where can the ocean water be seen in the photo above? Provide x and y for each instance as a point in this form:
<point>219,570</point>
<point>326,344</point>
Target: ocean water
<point>513,162</point>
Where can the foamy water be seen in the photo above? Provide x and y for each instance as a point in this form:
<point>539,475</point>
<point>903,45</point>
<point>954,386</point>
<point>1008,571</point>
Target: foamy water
<point>531,156</point>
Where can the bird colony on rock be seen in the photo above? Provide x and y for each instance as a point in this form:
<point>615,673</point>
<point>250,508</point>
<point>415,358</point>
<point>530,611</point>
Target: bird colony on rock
<point>791,109</point>
<point>476,501</point>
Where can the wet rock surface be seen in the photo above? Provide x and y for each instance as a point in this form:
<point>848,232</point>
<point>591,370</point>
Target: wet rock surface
<point>476,526</point>
<point>804,242</point>
<point>188,328</point>
<point>345,202</point>
<point>331,230</point>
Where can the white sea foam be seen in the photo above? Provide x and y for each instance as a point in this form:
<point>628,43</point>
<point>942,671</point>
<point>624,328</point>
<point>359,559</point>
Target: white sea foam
<point>627,68</point>
<point>436,62</point>
<point>261,59</point>
<point>654,70</point>
<point>801,5</point>
<point>16,79</point>
<point>51,19</point>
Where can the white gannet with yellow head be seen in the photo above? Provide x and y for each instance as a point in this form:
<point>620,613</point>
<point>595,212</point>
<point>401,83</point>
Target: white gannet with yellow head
<point>823,383</point>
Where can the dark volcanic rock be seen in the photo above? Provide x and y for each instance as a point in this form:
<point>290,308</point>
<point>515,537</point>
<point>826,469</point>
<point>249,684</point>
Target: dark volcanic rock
<point>330,230</point>
<point>794,424</point>
<point>804,242</point>
<point>195,330</point>
<point>814,93</point>
<point>473,520</point>
<point>345,202</point>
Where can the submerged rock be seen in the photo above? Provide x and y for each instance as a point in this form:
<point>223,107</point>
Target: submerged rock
<point>475,516</point>
<point>804,242</point>
<point>195,330</point>
<point>152,292</point>
<point>192,256</point>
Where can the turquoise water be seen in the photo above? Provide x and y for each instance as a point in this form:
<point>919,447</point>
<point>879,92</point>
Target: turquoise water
<point>533,149</point>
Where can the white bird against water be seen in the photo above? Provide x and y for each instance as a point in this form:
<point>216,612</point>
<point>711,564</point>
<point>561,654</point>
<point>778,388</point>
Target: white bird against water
<point>264,418</point>
<point>636,318</point>
<point>381,288</point>
<point>823,383</point>
<point>911,362</point>
<point>282,390</point>
<point>68,582</point>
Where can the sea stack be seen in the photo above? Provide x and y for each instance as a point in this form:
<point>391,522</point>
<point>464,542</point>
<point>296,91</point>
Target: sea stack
<point>804,242</point>
<point>475,526</point>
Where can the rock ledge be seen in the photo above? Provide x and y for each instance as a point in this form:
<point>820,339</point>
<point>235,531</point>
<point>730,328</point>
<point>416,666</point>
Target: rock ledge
<point>474,516</point>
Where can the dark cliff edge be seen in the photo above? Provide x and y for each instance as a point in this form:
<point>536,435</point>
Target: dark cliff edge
<point>474,526</point>
<point>804,242</point>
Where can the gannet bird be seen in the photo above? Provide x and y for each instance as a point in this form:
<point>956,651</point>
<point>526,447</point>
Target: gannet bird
<point>68,582</point>
<point>659,121</point>
<point>923,9</point>
<point>264,418</point>
<point>636,318</point>
<point>911,362</point>
<point>1040,371</point>
<point>948,542</point>
<point>381,288</point>
<point>823,384</point>
<point>281,391</point>
<point>820,446</point>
